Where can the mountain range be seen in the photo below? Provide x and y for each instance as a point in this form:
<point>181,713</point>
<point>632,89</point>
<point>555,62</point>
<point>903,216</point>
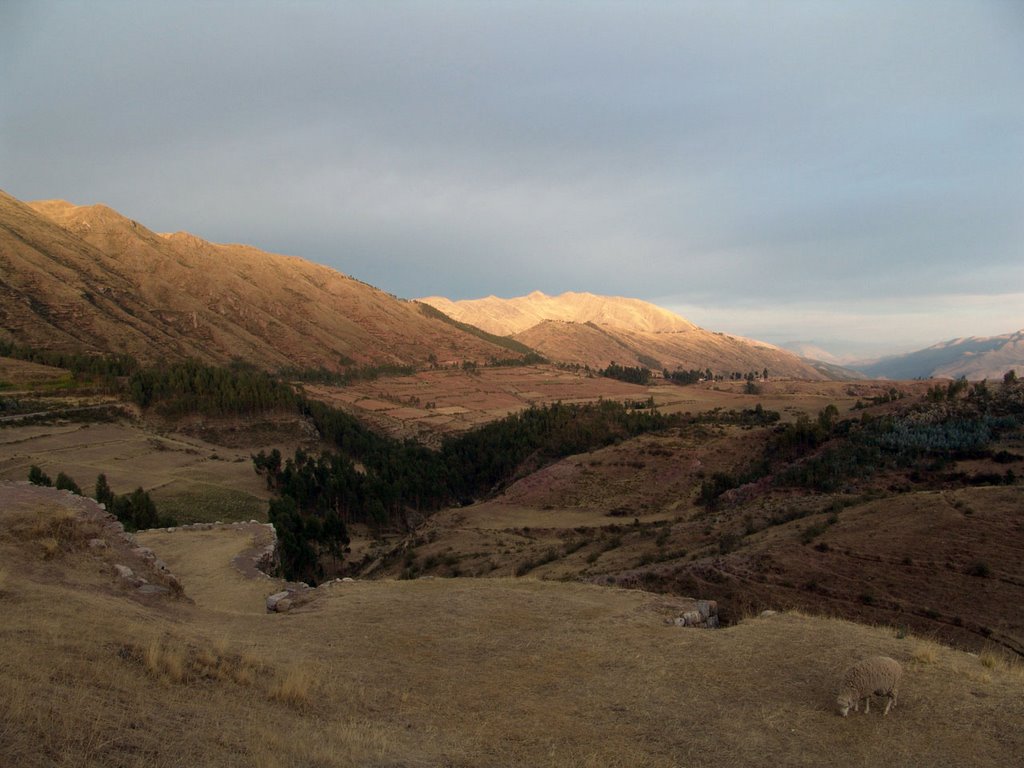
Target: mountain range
<point>598,330</point>
<point>86,278</point>
<point>973,358</point>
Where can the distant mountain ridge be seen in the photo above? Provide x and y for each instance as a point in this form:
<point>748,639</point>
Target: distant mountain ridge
<point>593,330</point>
<point>973,357</point>
<point>86,278</point>
<point>508,317</point>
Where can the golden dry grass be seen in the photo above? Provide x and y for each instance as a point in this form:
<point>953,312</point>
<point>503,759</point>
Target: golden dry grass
<point>925,652</point>
<point>460,672</point>
<point>202,560</point>
<point>189,478</point>
<point>328,314</point>
<point>295,686</point>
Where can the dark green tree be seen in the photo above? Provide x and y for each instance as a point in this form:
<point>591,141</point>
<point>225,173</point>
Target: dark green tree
<point>103,494</point>
<point>64,482</point>
<point>36,476</point>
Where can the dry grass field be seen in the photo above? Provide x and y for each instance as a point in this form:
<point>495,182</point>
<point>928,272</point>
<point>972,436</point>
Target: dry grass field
<point>456,672</point>
<point>188,478</point>
<point>21,375</point>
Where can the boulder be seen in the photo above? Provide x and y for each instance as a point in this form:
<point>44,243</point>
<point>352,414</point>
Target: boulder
<point>124,572</point>
<point>153,589</point>
<point>275,599</point>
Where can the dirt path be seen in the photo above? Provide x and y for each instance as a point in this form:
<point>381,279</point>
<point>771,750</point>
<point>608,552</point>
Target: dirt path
<point>205,562</point>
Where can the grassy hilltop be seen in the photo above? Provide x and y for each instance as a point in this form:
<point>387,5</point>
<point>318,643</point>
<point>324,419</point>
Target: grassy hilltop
<point>468,672</point>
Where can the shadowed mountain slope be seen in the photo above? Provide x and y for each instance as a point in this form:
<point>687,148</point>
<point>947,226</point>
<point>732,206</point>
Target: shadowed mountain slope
<point>974,358</point>
<point>88,278</point>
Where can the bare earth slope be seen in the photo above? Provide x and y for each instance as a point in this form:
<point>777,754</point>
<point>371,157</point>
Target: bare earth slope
<point>88,278</point>
<point>596,330</point>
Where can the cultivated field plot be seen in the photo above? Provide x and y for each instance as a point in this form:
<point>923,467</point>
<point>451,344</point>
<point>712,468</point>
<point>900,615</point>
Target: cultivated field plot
<point>790,397</point>
<point>18,375</point>
<point>432,403</point>
<point>187,478</point>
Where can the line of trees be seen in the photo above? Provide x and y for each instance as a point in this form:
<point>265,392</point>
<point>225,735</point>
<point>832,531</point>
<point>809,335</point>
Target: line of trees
<point>194,387</point>
<point>632,374</point>
<point>380,481</point>
<point>76,362</point>
<point>136,510</point>
<point>695,375</point>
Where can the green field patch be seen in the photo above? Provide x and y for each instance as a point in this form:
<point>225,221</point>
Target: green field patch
<point>191,502</point>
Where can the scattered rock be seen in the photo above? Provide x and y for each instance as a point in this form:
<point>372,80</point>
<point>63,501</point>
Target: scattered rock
<point>703,615</point>
<point>276,598</point>
<point>153,589</point>
<point>97,544</point>
<point>124,572</point>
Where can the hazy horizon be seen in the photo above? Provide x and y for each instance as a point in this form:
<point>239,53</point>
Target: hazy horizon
<point>849,175</point>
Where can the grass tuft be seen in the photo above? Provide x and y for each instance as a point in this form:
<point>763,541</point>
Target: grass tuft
<point>925,653</point>
<point>165,661</point>
<point>295,687</point>
<point>50,547</point>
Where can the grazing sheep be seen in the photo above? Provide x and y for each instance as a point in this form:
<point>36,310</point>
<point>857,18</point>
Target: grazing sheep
<point>878,675</point>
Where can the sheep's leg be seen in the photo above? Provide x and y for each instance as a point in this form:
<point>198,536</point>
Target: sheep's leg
<point>890,702</point>
<point>867,704</point>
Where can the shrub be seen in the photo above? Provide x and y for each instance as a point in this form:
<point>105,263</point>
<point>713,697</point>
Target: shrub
<point>811,532</point>
<point>295,687</point>
<point>727,542</point>
<point>64,482</point>
<point>36,476</point>
<point>979,569</point>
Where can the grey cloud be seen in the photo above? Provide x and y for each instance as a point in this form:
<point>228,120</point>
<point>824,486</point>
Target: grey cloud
<point>725,152</point>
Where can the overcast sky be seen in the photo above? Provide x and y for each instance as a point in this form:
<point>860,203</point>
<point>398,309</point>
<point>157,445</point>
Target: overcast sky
<point>849,173</point>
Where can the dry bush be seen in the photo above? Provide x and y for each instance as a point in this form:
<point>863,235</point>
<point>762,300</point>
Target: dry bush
<point>925,652</point>
<point>49,548</point>
<point>218,662</point>
<point>294,687</point>
<point>56,529</point>
<point>166,661</point>
<point>180,662</point>
<point>1002,663</point>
